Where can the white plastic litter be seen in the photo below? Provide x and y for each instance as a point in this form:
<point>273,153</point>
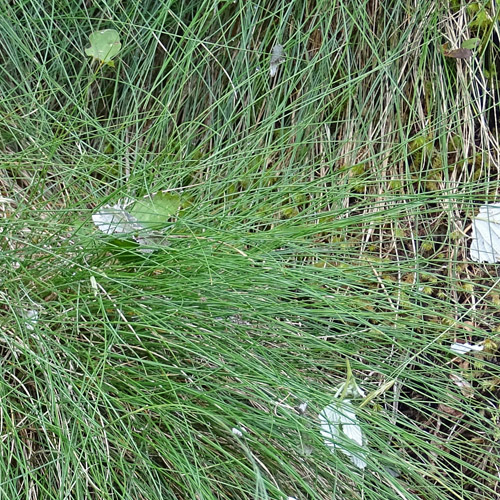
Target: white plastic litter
<point>277,57</point>
<point>485,246</point>
<point>116,220</point>
<point>237,432</point>
<point>302,408</point>
<point>465,348</point>
<point>30,319</point>
<point>340,428</point>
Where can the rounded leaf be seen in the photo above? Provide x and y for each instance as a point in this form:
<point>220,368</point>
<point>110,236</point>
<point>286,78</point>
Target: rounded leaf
<point>104,45</point>
<point>154,212</point>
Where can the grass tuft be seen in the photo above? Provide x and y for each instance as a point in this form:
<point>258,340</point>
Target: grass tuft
<point>322,233</point>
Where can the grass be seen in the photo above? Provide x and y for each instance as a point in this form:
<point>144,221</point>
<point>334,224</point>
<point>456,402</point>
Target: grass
<point>324,226</point>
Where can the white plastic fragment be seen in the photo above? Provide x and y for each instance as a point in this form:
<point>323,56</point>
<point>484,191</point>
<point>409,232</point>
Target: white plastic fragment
<point>144,241</point>
<point>30,319</point>
<point>94,285</point>
<point>115,220</point>
<point>465,387</point>
<point>277,57</point>
<point>340,428</point>
<point>237,432</point>
<point>485,246</point>
<point>352,389</point>
<point>465,348</point>
<point>302,408</point>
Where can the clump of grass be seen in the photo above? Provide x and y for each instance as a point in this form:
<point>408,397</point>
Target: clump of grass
<point>323,223</point>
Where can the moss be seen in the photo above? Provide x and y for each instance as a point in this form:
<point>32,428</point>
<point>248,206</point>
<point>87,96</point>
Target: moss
<point>422,143</point>
<point>454,144</point>
<point>399,233</point>
<point>427,246</point>
<point>289,212</point>
<point>481,19</point>
<point>395,185</point>
<point>495,299</point>
<point>357,170</point>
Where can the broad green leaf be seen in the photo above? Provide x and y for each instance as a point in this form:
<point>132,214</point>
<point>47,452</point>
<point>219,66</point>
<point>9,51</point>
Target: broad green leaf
<point>155,212</point>
<point>104,45</point>
<point>471,43</point>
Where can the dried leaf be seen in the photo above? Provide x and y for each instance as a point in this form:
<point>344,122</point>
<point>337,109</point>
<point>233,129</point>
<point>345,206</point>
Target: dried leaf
<point>460,53</point>
<point>452,412</point>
